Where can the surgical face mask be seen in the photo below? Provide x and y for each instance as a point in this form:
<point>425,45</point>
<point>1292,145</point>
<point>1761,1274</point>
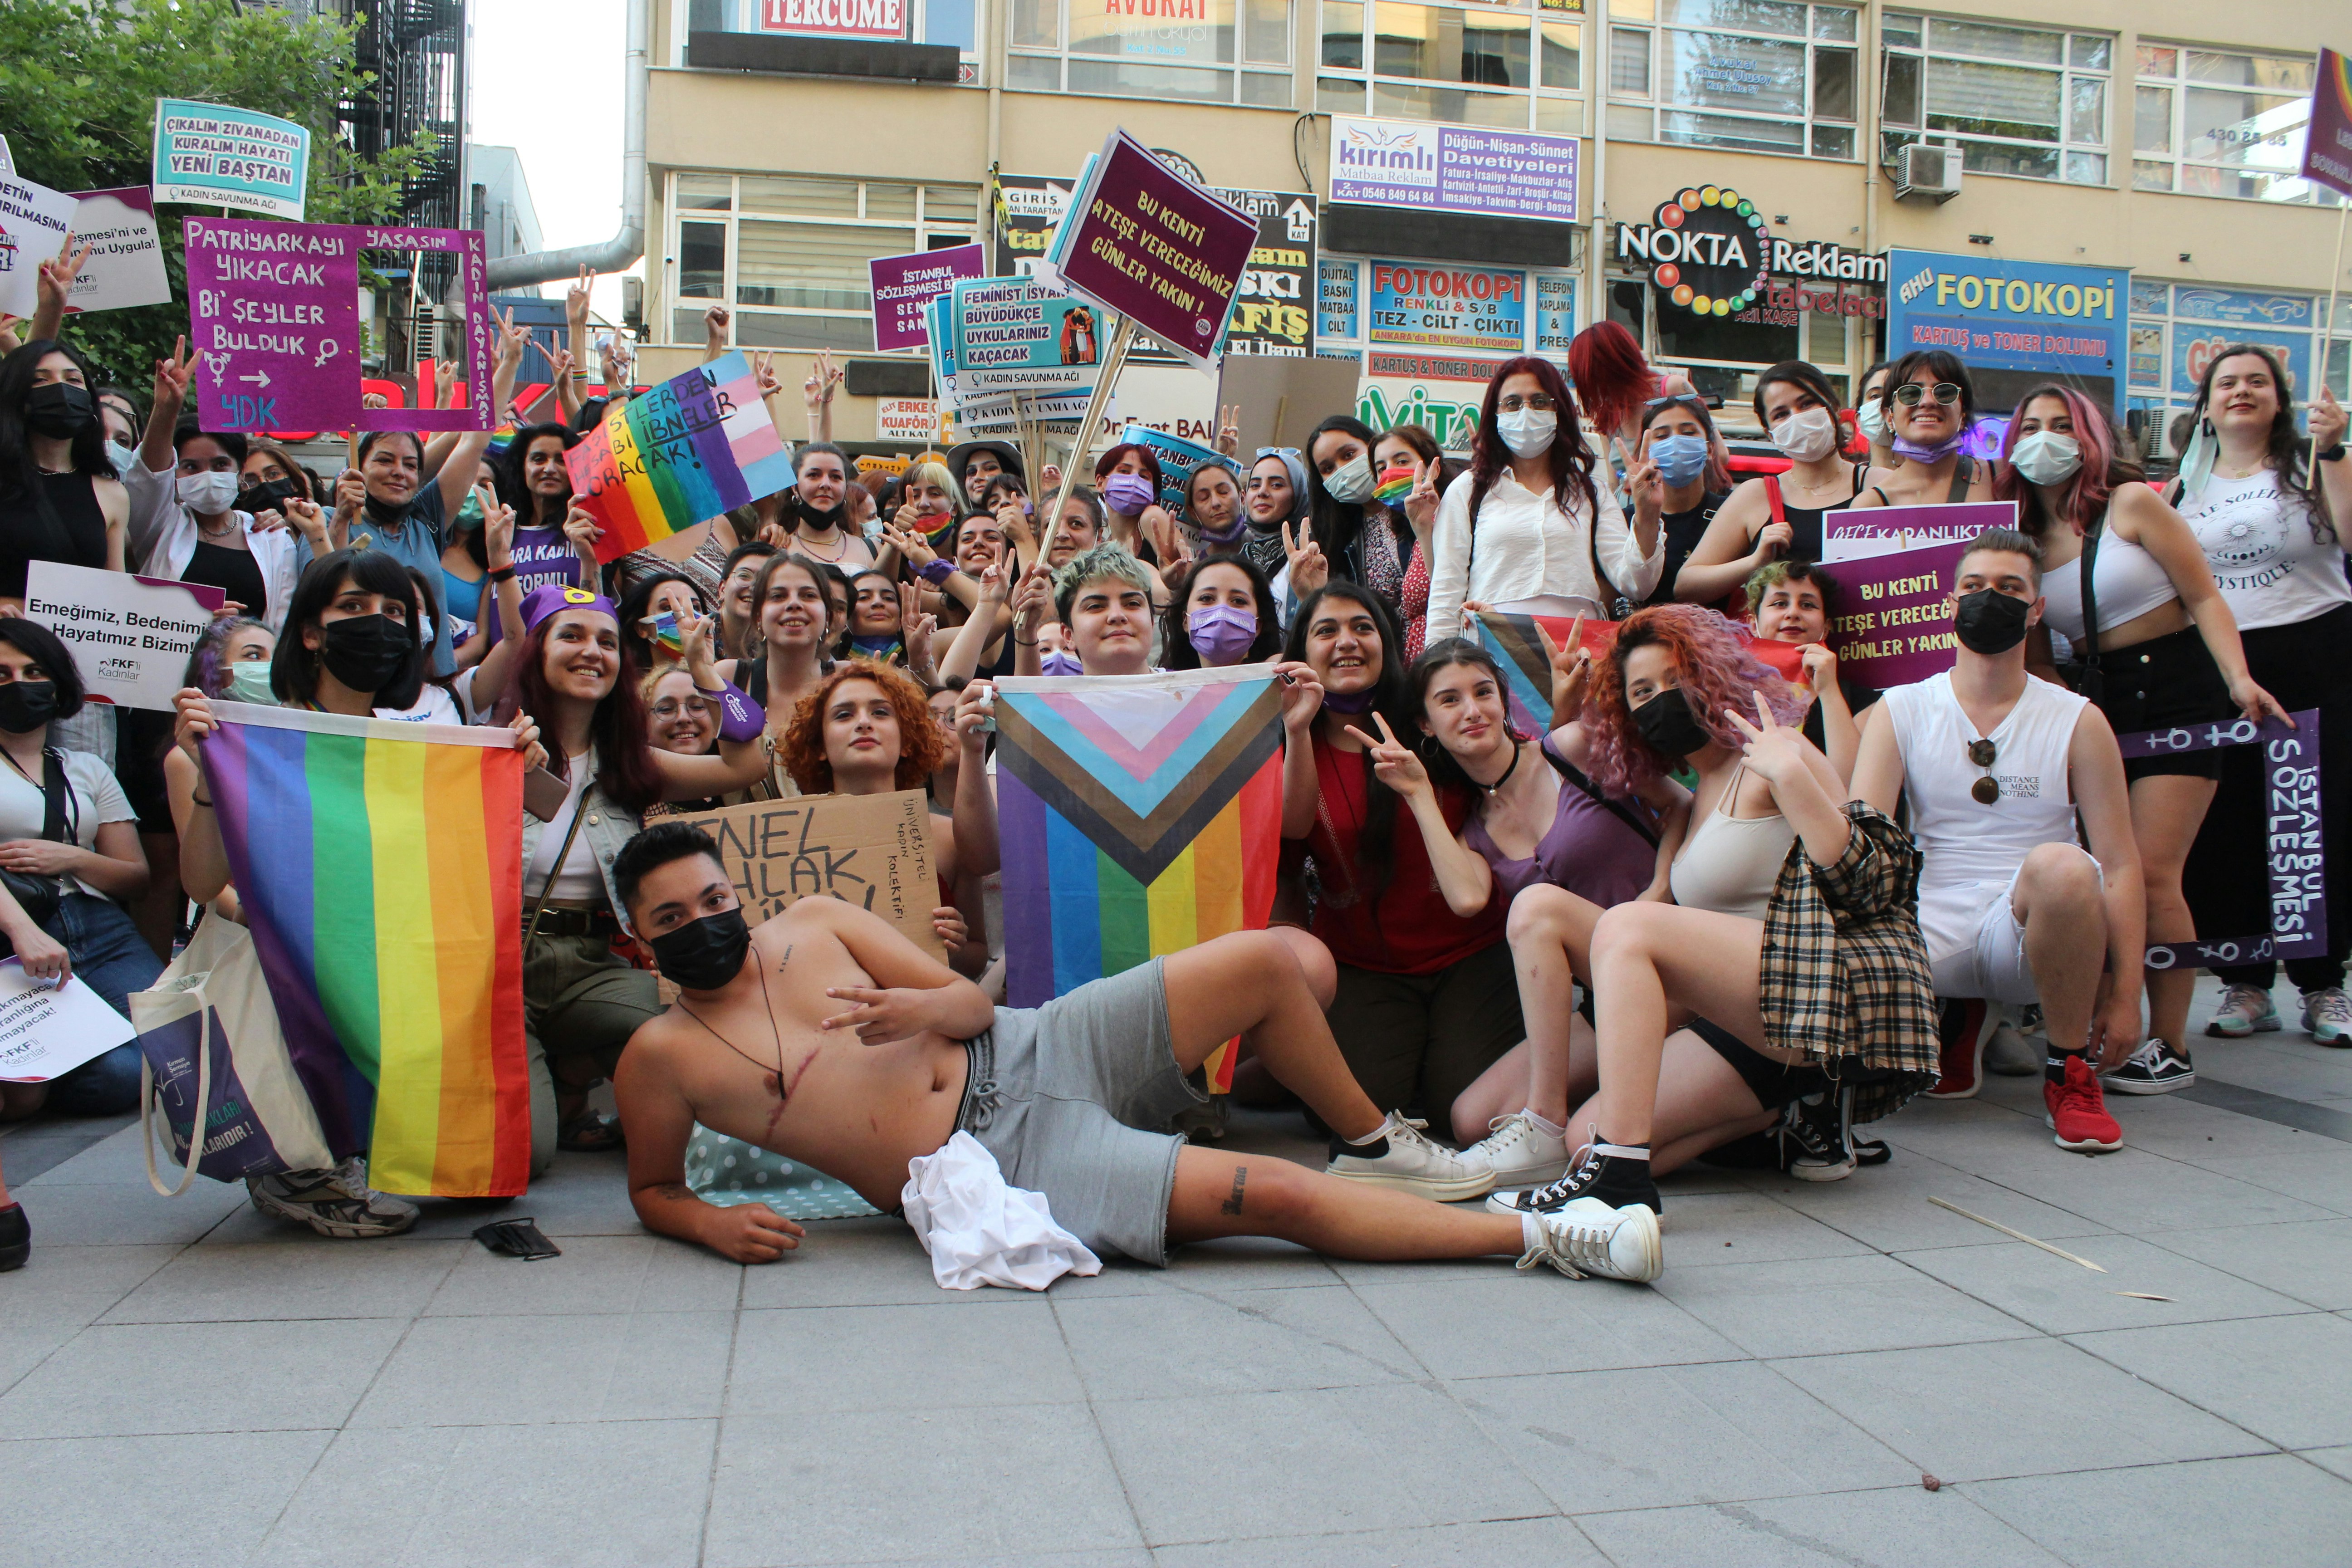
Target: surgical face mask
<point>1352,482</point>
<point>208,493</point>
<point>1667,725</point>
<point>366,653</point>
<point>58,409</point>
<point>1807,435</point>
<point>1527,431</point>
<point>1990,622</point>
<point>26,705</point>
<point>1680,458</point>
<point>469,513</point>
<point>2046,458</point>
<point>704,954</point>
<point>424,629</point>
<point>122,458</point>
<point>1127,494</point>
<point>1220,633</point>
<point>1871,418</point>
<point>1061,661</point>
<point>248,682</point>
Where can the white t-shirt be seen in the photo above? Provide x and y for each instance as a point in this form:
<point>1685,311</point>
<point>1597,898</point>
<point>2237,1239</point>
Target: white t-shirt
<point>2271,568</point>
<point>433,706</point>
<point>93,798</point>
<point>579,882</point>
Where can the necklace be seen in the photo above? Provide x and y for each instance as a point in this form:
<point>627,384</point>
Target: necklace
<point>1517,748</point>
<point>775,1083</point>
<point>835,556</point>
<point>221,532</point>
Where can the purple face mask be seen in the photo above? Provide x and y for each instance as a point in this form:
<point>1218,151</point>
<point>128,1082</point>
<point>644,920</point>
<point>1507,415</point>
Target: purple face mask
<point>1349,701</point>
<point>1128,494</point>
<point>1060,661</point>
<point>1911,452</point>
<point>1220,633</point>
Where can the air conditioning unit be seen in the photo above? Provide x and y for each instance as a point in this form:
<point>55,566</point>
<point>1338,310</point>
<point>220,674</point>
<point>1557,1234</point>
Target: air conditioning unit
<point>1930,171</point>
<point>632,302</point>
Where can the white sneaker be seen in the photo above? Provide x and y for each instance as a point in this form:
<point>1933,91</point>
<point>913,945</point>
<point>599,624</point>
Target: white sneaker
<point>1410,1163</point>
<point>1518,1154</point>
<point>1588,1237</point>
<point>337,1203</point>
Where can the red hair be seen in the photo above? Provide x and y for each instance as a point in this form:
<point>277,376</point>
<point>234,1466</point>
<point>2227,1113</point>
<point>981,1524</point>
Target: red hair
<point>1717,671</point>
<point>2085,500</point>
<point>1610,375</point>
<point>1570,459</point>
<point>921,747</point>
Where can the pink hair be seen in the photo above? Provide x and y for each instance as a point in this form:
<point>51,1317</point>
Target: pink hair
<point>2086,494</point>
<point>1717,672</point>
<point>1613,380</point>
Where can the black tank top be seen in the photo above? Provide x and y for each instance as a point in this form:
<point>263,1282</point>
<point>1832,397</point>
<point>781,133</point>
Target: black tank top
<point>1805,521</point>
<point>76,536</point>
<point>234,571</point>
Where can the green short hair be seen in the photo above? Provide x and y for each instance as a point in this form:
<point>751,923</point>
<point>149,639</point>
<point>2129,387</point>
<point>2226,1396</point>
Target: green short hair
<point>1109,562</point>
<point>1772,574</point>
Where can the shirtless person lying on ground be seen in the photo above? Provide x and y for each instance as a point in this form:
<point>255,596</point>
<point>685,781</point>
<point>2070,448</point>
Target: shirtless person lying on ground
<point>828,1037</point>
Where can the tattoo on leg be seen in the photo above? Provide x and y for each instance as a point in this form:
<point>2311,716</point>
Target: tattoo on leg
<point>1232,1204</point>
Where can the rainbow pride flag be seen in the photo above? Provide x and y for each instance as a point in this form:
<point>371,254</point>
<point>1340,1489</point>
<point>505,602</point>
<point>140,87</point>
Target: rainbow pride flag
<point>381,869</point>
<point>692,448</point>
<point>1515,642</point>
<point>1138,814</point>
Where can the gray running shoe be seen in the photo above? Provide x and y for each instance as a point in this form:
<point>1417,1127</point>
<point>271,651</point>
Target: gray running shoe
<point>337,1203</point>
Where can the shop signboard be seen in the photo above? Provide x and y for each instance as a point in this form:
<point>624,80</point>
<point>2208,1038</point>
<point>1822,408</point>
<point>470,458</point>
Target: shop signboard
<point>2196,345</point>
<point>1483,310</point>
<point>2031,320</point>
<point>1453,168</point>
<point>1438,392</point>
<point>835,18</point>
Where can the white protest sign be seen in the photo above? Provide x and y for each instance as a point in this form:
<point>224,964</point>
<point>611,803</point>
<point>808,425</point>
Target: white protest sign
<point>129,635</point>
<point>126,255</point>
<point>46,1031</point>
<point>32,223</point>
<point>7,159</point>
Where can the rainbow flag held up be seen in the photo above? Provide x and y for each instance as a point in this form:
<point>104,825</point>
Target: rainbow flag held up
<point>1514,641</point>
<point>380,865</point>
<point>694,447</point>
<point>1139,814</point>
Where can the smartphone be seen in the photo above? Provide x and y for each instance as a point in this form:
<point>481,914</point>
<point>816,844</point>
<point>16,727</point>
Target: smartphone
<point>543,794</point>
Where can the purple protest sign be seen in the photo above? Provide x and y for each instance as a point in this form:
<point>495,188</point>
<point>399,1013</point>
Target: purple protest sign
<point>1852,535</point>
<point>1897,622</point>
<point>473,260</point>
<point>273,313</point>
<point>1146,243</point>
<point>2328,144</point>
<point>904,287</point>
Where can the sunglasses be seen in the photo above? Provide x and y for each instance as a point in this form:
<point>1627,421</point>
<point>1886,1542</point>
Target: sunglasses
<point>1986,790</point>
<point>1910,393</point>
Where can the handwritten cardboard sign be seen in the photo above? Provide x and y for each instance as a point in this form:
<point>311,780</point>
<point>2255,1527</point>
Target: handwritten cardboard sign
<point>871,850</point>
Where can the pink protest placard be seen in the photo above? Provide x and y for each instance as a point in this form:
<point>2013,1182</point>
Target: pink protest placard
<point>473,261</point>
<point>2328,145</point>
<point>1893,624</point>
<point>1146,243</point>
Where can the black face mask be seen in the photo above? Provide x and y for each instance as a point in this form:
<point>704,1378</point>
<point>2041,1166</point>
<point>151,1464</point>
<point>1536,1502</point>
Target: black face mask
<point>1667,726</point>
<point>366,653</point>
<point>26,705</point>
<point>704,954</point>
<point>268,496</point>
<point>392,513</point>
<point>1990,622</point>
<point>819,517</point>
<point>59,409</point>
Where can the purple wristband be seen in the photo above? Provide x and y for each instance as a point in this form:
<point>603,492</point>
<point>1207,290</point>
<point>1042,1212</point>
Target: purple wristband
<point>937,572</point>
<point>740,718</point>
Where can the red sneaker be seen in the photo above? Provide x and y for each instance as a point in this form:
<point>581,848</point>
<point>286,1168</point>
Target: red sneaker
<point>1964,1027</point>
<point>2078,1112</point>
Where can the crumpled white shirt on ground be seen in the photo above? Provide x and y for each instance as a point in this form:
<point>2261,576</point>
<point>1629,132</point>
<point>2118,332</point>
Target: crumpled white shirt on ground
<point>980,1230</point>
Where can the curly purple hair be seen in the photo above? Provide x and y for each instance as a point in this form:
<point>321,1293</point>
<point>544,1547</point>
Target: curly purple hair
<point>1717,671</point>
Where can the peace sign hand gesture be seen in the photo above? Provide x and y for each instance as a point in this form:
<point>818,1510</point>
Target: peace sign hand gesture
<point>1229,430</point>
<point>174,375</point>
<point>575,299</point>
<point>1393,763</point>
<point>1420,501</point>
<point>1641,480</point>
<point>1571,673</point>
<point>823,380</point>
<point>1308,569</point>
<point>1773,749</point>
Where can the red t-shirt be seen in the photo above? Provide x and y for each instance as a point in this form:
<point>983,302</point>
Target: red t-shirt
<point>1408,929</point>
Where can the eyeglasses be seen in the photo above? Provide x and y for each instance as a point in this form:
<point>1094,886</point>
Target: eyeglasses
<point>1986,790</point>
<point>1540,402</point>
<point>1911,392</point>
<point>671,707</point>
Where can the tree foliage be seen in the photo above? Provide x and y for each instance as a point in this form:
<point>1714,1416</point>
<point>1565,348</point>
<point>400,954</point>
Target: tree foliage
<point>78,82</point>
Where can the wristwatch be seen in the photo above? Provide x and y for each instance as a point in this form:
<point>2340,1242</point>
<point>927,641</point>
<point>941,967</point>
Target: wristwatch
<point>2333,455</point>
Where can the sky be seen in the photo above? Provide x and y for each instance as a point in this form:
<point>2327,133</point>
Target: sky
<point>546,81</point>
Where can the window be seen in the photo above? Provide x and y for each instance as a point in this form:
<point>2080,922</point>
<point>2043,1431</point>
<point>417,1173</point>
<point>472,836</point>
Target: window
<point>2177,328</point>
<point>2209,123</point>
<point>788,252</point>
<point>1192,51</point>
<point>955,22</point>
<point>1512,66</point>
<point>2015,101</point>
<point>1757,76</point>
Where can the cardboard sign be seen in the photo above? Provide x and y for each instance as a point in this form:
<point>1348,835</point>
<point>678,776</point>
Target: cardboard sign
<point>126,255</point>
<point>46,1031</point>
<point>1145,242</point>
<point>1013,334</point>
<point>2328,144</point>
<point>1896,622</point>
<point>871,850</point>
<point>905,285</point>
<point>213,155</point>
<point>1857,535</point>
<point>1282,399</point>
<point>131,635</point>
<point>32,223</point>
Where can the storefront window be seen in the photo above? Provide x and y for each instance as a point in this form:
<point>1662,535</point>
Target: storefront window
<point>2016,101</point>
<point>2210,123</point>
<point>1195,51</point>
<point>788,253</point>
<point>1509,64</point>
<point>1755,76</point>
<point>2178,329</point>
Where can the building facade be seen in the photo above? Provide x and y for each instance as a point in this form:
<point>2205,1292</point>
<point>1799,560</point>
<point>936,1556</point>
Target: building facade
<point>2126,194</point>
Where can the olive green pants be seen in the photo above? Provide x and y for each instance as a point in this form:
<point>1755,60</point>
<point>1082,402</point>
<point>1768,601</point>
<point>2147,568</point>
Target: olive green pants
<point>580,1006</point>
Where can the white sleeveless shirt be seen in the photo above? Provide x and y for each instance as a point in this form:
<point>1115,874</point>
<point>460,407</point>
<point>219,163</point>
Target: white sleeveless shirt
<point>1970,849</point>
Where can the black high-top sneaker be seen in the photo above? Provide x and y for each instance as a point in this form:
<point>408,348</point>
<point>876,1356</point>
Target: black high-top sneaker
<point>1616,1173</point>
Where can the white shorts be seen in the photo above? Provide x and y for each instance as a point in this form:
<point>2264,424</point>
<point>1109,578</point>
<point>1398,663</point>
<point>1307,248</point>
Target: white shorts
<point>1975,943</point>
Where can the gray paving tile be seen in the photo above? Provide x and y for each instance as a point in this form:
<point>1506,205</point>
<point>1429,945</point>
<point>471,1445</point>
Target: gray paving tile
<point>91,1216</point>
<point>2318,1173</point>
<point>1785,1308</point>
<point>204,1502</point>
<point>2062,1298</point>
<point>1887,1205</point>
<point>1509,1325</point>
<point>2287,1064</point>
<point>873,1262</point>
<point>1217,1268</point>
<point>2274,1511</point>
<point>311,1277</point>
<point>1838,1530</point>
<point>476,1372</point>
<point>1657,1436</point>
<point>113,1160</point>
<point>900,1358</point>
<point>2011,1407</point>
<point>65,1287</point>
<point>2176,1128</point>
<point>906,1485</point>
<point>621,1494</point>
<point>2311,1262</point>
<point>637,1273</point>
<point>1235,1466</point>
<point>2337,1461</point>
<point>23,1349</point>
<point>1744,1225</point>
<point>1494,1543</point>
<point>581,1194</point>
<point>139,1379</point>
<point>1150,1347</point>
<point>2287,1379</point>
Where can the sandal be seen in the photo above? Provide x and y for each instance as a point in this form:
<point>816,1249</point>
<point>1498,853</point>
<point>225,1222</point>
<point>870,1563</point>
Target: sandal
<point>590,1132</point>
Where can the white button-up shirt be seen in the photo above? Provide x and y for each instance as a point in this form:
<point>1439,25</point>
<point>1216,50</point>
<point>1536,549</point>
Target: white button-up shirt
<point>1527,548</point>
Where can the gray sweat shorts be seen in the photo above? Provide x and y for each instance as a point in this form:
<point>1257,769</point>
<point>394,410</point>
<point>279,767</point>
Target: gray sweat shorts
<point>1072,1098</point>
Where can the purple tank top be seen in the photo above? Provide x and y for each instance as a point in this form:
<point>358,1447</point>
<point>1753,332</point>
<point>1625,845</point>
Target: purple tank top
<point>1588,849</point>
